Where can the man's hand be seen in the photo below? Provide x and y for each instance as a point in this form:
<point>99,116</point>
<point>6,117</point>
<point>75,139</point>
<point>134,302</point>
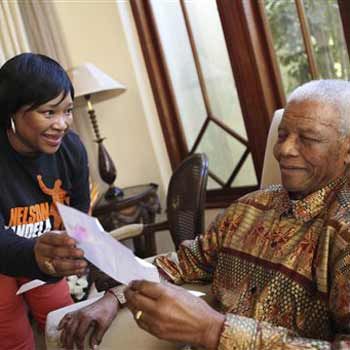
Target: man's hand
<point>56,255</point>
<point>97,316</point>
<point>170,312</point>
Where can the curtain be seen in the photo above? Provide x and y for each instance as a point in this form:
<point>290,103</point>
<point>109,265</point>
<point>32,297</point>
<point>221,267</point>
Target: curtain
<point>43,30</point>
<point>31,25</point>
<point>13,37</point>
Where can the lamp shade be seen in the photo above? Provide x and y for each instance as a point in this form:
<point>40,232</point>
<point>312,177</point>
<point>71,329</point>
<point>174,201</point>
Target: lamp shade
<point>87,79</point>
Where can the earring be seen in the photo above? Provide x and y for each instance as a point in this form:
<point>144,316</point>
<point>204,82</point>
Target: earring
<point>13,126</point>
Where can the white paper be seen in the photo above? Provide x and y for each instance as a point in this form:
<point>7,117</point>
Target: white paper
<point>30,285</point>
<point>105,252</point>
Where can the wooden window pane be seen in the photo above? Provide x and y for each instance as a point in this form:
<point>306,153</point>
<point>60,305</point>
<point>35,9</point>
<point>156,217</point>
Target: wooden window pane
<point>288,43</point>
<point>180,63</point>
<point>256,78</point>
<point>246,175</point>
<point>212,184</point>
<point>198,64</point>
<point>224,153</point>
<point>327,38</point>
<point>212,53</point>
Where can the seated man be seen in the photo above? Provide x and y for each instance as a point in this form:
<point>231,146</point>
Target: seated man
<point>278,259</point>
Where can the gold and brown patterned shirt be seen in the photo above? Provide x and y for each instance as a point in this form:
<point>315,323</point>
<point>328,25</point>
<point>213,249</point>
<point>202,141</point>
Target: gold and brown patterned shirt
<point>280,269</point>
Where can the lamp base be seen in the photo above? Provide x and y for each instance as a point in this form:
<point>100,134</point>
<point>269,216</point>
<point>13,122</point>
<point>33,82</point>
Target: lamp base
<point>113,193</point>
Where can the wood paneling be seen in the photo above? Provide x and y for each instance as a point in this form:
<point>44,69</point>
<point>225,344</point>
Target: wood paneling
<point>255,76</point>
<point>254,68</point>
<point>160,81</point>
<point>344,9</point>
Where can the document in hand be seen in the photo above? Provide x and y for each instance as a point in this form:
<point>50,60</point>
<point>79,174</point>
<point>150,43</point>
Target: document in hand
<point>105,252</point>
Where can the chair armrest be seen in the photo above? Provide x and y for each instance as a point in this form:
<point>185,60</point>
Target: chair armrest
<point>157,226</point>
<point>128,231</point>
<point>134,230</point>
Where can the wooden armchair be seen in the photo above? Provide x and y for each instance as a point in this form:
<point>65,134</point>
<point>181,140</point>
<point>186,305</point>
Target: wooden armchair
<point>185,204</point>
<point>185,210</point>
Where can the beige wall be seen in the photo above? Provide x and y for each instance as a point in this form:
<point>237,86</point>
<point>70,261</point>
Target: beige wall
<point>102,32</point>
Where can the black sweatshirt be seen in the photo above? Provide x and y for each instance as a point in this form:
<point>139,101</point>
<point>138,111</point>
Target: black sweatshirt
<point>29,186</point>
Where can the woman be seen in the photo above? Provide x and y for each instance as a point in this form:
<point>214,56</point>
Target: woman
<point>41,162</point>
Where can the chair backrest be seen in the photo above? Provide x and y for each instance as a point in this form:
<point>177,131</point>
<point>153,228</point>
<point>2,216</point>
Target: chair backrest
<point>271,173</point>
<point>186,198</point>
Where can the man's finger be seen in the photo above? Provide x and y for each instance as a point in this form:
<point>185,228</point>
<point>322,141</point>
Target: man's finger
<point>137,301</point>
<point>64,320</point>
<point>85,324</point>
<point>67,335</point>
<point>97,335</point>
<point>150,289</point>
<point>145,323</point>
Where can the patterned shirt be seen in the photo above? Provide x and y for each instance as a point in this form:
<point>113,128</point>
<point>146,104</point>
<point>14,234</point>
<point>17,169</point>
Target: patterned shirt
<point>280,269</point>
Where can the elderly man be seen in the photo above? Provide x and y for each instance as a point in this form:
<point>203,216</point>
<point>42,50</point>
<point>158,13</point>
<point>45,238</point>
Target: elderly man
<point>278,259</point>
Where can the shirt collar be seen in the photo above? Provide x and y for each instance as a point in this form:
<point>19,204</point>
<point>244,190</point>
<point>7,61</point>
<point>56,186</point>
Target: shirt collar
<point>309,207</point>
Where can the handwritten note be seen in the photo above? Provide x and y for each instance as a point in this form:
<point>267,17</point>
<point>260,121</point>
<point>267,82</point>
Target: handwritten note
<point>105,252</point>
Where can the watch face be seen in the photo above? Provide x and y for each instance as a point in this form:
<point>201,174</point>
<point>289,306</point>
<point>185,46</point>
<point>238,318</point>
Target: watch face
<point>119,293</point>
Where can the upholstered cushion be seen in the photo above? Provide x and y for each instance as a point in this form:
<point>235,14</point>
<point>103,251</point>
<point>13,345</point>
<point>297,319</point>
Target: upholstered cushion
<point>271,173</point>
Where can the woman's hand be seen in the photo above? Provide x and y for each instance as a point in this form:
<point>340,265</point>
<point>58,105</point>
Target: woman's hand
<point>170,312</point>
<point>97,316</point>
<point>56,255</point>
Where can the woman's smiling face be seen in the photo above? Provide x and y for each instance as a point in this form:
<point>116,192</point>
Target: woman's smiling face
<point>41,130</point>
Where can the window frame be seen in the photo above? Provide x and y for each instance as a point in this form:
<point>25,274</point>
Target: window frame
<point>254,68</point>
<point>344,9</point>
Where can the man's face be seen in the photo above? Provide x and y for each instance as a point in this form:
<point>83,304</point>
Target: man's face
<point>310,149</point>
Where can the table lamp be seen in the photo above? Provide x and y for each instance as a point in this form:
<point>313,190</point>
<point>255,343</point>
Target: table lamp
<point>88,80</point>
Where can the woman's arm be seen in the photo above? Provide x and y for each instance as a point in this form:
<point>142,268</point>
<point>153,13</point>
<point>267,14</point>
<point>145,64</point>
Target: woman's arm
<point>26,257</point>
<point>80,197</point>
<point>17,255</point>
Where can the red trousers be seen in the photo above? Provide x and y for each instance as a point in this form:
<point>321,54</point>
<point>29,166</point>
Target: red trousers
<point>15,329</point>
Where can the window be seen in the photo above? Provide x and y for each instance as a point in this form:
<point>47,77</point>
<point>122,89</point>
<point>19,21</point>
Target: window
<point>308,40</point>
<point>219,69</point>
<point>199,68</point>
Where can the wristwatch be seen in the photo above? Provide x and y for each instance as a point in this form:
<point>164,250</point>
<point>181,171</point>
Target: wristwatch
<point>118,292</point>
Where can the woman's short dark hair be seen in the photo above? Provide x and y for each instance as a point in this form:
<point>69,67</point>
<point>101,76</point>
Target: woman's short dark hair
<point>30,80</point>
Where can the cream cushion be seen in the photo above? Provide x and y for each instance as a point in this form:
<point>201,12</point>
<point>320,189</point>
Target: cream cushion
<point>271,173</point>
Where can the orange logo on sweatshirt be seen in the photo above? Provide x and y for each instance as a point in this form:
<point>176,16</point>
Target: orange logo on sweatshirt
<point>32,221</point>
<point>58,194</point>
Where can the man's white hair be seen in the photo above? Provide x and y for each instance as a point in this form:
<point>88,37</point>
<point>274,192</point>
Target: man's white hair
<point>328,91</point>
